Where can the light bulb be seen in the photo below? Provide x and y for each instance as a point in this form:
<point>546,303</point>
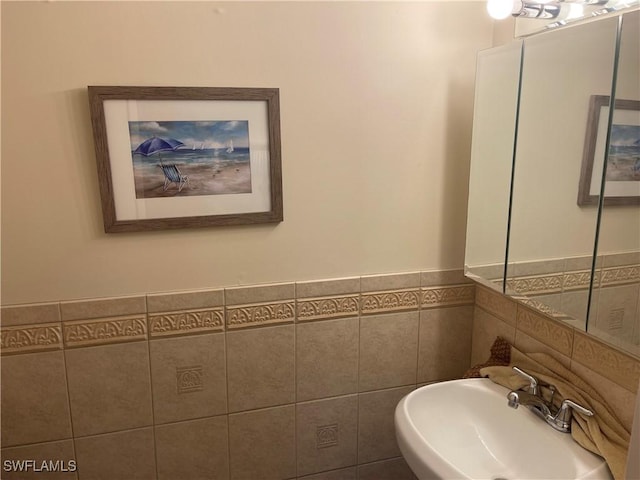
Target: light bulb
<point>499,9</point>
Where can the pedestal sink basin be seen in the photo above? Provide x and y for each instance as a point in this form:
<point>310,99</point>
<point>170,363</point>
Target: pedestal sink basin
<point>465,429</point>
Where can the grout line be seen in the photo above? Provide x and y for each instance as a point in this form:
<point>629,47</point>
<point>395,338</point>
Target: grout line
<point>153,410</point>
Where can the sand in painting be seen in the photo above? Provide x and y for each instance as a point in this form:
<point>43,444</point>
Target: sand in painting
<point>203,180</point>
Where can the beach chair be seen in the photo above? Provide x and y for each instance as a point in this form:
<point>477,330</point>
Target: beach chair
<point>173,175</point>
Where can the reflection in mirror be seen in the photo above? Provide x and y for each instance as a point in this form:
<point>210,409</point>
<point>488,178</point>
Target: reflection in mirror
<point>615,313</point>
<point>495,109</point>
<point>551,241</point>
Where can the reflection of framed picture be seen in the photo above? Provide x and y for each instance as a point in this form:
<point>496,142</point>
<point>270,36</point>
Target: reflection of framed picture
<point>622,185</point>
<point>187,157</point>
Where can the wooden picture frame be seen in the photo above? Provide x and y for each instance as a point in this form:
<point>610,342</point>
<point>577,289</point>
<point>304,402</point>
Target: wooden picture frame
<point>182,157</point>
<point>623,157</point>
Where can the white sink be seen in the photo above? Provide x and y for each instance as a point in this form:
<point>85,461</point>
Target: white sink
<point>464,429</point>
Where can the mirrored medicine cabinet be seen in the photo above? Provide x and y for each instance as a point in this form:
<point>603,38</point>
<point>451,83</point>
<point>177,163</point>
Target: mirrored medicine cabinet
<point>554,191</point>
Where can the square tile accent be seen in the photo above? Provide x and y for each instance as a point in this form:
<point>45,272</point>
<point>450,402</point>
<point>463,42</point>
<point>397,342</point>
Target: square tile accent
<point>13,315</point>
<point>59,457</point>
<point>262,444</point>
<point>327,358</point>
<point>188,377</point>
<point>260,314</point>
<point>327,307</point>
<point>326,434</point>
<point>450,295</point>
<point>388,350</point>
<point>35,405</point>
<point>196,449</point>
<point>128,454</point>
<point>109,388</point>
<point>444,343</point>
<point>260,365</point>
<point>390,301</point>
<point>376,430</point>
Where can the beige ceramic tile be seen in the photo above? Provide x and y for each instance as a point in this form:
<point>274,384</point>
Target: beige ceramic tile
<point>197,300</point>
<point>538,267</point>
<point>35,405</point>
<point>326,434</point>
<point>447,296</point>
<point>123,455</point>
<point>486,328</point>
<point>262,444</point>
<point>326,308</point>
<point>109,388</point>
<point>29,314</point>
<point>259,294</point>
<point>621,400</point>
<point>186,322</point>
<point>573,264</point>
<point>260,366</point>
<point>393,281</point>
<point>528,344</point>
<point>616,311</point>
<point>376,431</point>
<point>438,278</point>
<point>257,315</point>
<point>388,350</point>
<point>608,362</point>
<point>59,455</point>
<point>393,469</point>
<point>327,358</point>
<point>349,473</point>
<point>83,333</point>
<point>390,301</point>
<point>188,377</point>
<point>496,304</point>
<point>328,288</point>
<point>198,449</point>
<point>444,351</point>
<point>31,338</point>
<point>550,332</point>
<point>621,259</point>
<point>102,308</point>
<point>574,303</point>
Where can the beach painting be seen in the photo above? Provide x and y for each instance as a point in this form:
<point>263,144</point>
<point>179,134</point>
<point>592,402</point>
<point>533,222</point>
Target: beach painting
<point>190,158</point>
<point>623,164</point>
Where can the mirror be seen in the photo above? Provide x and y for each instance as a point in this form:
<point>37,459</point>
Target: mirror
<point>494,123</point>
<point>615,312</point>
<point>551,240</point>
<point>544,236</point>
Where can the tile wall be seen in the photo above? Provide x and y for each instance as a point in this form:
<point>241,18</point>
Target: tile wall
<point>613,373</point>
<point>296,380</point>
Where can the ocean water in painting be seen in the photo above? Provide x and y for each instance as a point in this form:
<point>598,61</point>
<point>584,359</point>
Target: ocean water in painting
<point>623,163</point>
<point>199,158</point>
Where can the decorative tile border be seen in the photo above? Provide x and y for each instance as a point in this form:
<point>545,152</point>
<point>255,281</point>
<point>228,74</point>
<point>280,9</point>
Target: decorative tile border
<point>536,285</point>
<point>390,301</point>
<point>451,295</point>
<point>104,331</point>
<point>620,275</point>
<point>28,339</point>
<point>243,316</point>
<point>610,363</point>
<point>186,322</point>
<point>496,304</point>
<point>549,332</point>
<point>327,308</point>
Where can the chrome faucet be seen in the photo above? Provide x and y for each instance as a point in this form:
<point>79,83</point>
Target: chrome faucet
<point>560,418</point>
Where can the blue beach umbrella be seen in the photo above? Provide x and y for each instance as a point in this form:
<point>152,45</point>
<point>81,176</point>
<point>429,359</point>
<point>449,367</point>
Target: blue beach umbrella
<point>156,145</point>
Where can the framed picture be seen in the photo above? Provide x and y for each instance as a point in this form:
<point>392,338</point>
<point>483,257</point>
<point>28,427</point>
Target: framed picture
<point>178,157</point>
<point>622,179</point>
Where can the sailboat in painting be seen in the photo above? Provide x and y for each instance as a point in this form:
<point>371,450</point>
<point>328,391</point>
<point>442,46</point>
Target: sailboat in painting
<point>230,146</point>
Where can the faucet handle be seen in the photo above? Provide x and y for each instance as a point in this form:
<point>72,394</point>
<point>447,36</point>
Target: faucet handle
<point>534,389</point>
<point>563,417</point>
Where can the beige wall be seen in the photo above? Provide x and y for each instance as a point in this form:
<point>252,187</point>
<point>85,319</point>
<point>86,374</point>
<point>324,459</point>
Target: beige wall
<point>376,109</point>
